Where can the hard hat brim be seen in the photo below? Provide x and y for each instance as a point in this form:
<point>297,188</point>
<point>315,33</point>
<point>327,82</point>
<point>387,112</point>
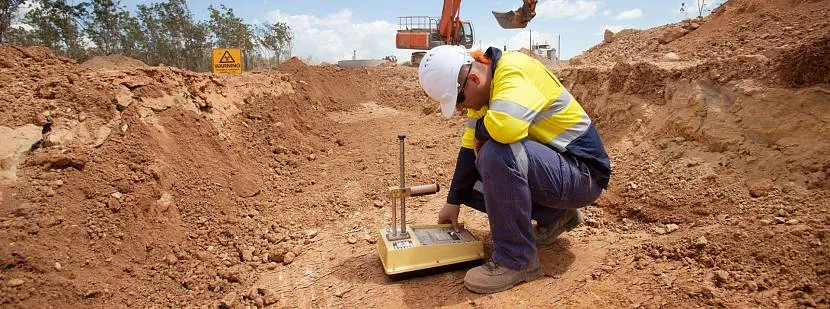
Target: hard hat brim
<point>448,106</point>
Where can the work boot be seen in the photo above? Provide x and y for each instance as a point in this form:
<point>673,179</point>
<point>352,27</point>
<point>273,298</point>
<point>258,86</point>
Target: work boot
<point>569,220</point>
<point>492,277</point>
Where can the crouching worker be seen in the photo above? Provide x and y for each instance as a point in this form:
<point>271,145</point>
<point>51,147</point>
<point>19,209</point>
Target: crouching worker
<point>529,153</point>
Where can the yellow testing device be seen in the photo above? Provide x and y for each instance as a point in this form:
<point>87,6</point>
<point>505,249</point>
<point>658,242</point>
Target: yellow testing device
<point>417,247</point>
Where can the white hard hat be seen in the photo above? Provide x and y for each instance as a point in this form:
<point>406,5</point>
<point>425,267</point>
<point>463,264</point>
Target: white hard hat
<point>438,75</point>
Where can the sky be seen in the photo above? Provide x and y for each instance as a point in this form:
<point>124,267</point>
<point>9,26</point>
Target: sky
<point>329,30</point>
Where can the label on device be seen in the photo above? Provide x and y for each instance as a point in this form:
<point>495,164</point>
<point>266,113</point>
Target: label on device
<point>402,244</point>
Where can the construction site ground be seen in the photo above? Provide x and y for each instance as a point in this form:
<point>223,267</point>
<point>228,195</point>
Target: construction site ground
<point>125,185</point>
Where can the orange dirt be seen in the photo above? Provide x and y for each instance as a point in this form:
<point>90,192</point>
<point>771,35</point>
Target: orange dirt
<point>112,62</point>
<point>154,186</point>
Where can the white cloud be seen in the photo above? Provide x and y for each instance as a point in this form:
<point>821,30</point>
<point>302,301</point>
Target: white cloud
<point>630,14</point>
<point>336,36</point>
<point>606,12</point>
<point>577,10</point>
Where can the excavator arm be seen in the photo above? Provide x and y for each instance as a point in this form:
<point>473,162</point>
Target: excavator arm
<point>518,18</point>
<point>424,32</point>
<point>448,24</point>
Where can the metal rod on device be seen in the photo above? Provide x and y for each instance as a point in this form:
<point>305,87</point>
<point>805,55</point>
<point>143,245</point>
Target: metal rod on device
<point>401,137</point>
<point>394,218</point>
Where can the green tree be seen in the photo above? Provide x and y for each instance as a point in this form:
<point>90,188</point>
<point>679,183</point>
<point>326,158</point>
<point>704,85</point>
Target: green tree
<point>196,47</point>
<point>229,31</point>
<point>172,36</point>
<point>161,32</point>
<point>107,25</point>
<point>8,9</point>
<point>276,38</point>
<point>19,36</point>
<point>55,24</point>
<point>133,38</point>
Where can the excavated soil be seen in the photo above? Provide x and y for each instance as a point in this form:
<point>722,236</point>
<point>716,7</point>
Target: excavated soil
<point>123,185</point>
<point>780,42</point>
<point>112,62</point>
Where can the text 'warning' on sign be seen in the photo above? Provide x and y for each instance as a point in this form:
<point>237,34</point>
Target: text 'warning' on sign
<point>227,60</point>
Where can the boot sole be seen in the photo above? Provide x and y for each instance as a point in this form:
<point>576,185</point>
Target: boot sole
<point>529,275</point>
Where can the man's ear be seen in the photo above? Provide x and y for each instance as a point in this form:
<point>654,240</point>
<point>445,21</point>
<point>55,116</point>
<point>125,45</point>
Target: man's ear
<point>475,78</point>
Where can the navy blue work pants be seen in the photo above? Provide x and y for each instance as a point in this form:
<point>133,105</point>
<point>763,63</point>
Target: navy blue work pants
<point>523,181</point>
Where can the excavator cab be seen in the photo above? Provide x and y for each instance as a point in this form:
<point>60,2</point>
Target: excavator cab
<point>465,34</point>
<point>422,33</point>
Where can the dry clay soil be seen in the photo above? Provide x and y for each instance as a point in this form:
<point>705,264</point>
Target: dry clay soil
<point>125,185</point>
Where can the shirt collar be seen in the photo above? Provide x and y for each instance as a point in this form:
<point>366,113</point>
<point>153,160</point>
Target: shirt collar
<point>494,54</point>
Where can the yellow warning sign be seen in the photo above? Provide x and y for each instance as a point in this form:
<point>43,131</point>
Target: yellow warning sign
<point>227,60</point>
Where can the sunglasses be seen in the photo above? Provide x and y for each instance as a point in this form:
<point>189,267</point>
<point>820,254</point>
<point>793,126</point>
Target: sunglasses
<point>460,98</point>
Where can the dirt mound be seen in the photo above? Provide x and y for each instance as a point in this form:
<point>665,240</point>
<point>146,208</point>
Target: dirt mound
<point>347,87</point>
<point>162,171</point>
<point>398,87</point>
<point>738,27</point>
<point>749,27</point>
<point>135,162</point>
<point>807,65</point>
<point>717,160</point>
<point>112,62</point>
<point>712,140</point>
<point>29,76</point>
<point>149,186</point>
<point>293,65</point>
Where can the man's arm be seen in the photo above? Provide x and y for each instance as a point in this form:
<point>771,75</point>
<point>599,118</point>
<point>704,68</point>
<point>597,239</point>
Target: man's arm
<point>466,174</point>
<point>464,177</point>
<point>461,188</point>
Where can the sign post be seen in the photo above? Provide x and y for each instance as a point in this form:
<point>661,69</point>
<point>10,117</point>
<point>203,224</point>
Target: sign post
<point>227,60</point>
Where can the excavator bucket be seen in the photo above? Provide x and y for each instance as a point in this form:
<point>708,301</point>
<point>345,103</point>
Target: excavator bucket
<point>518,18</point>
<point>505,20</point>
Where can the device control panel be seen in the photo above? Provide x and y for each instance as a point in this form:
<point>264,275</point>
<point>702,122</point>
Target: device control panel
<point>429,236</point>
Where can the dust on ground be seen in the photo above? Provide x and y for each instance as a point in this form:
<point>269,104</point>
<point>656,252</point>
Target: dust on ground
<point>156,186</point>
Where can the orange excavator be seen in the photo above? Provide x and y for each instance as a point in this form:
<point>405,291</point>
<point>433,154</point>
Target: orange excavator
<point>425,32</point>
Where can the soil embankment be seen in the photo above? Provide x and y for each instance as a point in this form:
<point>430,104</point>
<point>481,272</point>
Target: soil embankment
<point>128,185</point>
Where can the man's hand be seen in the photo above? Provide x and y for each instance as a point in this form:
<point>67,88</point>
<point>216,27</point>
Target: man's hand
<point>449,214</point>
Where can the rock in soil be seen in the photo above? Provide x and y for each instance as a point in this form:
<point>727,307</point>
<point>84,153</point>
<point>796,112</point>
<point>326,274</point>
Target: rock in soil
<point>288,258</point>
<point>15,282</point>
<point>701,242</point>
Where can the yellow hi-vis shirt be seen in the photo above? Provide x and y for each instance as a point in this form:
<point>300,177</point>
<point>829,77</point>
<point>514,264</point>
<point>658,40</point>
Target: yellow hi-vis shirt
<point>528,101</point>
